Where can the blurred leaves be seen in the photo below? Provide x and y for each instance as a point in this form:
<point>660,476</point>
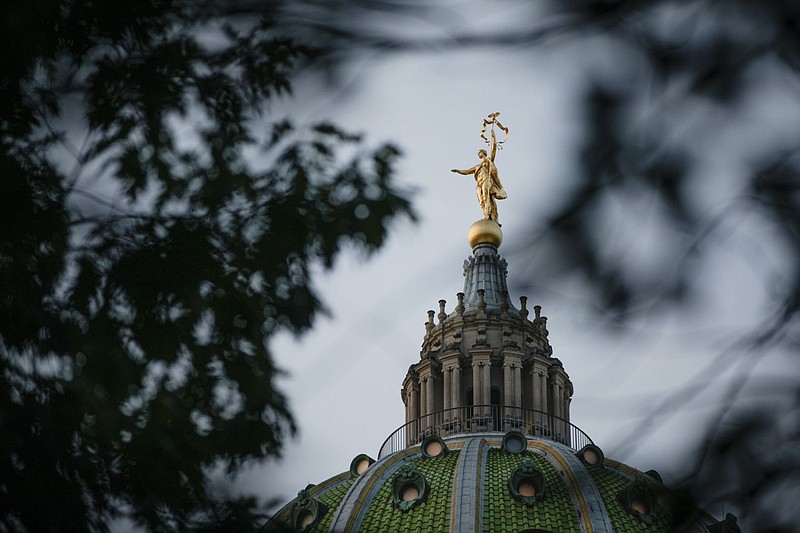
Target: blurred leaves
<point>146,261</point>
<point>693,73</point>
<point>145,278</point>
<point>688,75</point>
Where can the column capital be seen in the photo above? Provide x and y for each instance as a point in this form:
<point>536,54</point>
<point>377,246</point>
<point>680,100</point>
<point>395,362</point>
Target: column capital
<point>509,351</point>
<point>427,368</point>
<point>450,359</point>
<point>539,367</point>
<point>511,358</point>
<point>481,355</point>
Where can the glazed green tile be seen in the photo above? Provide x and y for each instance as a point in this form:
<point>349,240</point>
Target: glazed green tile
<point>610,483</point>
<point>332,498</point>
<point>502,512</point>
<point>433,515</point>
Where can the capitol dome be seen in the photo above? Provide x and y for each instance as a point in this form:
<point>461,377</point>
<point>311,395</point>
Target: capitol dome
<point>487,443</point>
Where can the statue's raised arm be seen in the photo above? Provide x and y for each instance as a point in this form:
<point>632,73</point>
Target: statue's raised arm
<point>487,181</point>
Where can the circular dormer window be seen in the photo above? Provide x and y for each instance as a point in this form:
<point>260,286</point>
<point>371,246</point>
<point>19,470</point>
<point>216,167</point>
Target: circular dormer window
<point>526,482</point>
<point>638,500</point>
<point>305,520</point>
<point>359,464</point>
<point>409,493</point>
<point>514,442</point>
<point>591,455</point>
<point>433,446</point>
<point>307,510</point>
<point>409,488</point>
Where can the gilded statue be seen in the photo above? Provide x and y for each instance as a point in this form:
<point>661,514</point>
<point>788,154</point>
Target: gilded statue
<point>487,181</point>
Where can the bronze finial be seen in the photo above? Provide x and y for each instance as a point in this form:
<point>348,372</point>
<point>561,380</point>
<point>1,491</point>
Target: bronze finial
<point>488,185</point>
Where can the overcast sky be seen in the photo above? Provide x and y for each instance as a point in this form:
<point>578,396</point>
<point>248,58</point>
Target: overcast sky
<point>343,378</point>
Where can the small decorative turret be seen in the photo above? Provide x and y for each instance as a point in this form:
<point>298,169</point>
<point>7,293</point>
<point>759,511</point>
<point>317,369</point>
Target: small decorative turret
<point>523,310</point>
<point>460,306</point>
<point>481,300</point>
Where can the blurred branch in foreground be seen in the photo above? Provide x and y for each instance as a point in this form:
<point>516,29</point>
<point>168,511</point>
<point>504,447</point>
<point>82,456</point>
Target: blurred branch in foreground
<point>158,229</point>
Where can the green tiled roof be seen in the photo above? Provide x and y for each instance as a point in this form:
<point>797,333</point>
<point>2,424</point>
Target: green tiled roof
<point>501,512</point>
<point>338,483</point>
<point>432,515</point>
<point>455,501</point>
<point>610,483</point>
<point>332,498</point>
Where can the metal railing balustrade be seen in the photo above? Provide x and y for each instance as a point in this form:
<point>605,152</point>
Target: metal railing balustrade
<point>485,419</point>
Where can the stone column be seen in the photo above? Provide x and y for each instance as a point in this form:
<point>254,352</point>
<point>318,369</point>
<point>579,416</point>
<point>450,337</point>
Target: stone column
<point>536,390</point>
<point>413,412</point>
<point>539,382</point>
<point>564,433</point>
<point>558,427</point>
<point>446,394</point>
<point>423,396</point>
<point>481,386</point>
<point>477,394</point>
<point>556,399</point>
<point>543,392</point>
<point>458,400</point>
<point>430,397</point>
<point>568,391</point>
<point>512,366</point>
<point>567,402</point>
<point>513,390</point>
<point>486,383</point>
<point>413,402</point>
<point>508,384</point>
<point>450,375</point>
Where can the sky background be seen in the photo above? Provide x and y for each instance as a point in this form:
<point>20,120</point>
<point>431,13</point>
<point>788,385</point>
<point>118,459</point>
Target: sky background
<point>343,378</point>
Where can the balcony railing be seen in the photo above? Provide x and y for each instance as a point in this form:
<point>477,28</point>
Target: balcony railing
<point>485,419</point>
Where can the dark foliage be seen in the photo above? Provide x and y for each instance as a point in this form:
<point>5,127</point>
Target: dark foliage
<point>697,65</point>
<point>79,255</point>
<point>146,259</point>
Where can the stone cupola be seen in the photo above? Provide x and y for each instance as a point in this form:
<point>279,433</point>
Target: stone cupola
<point>486,365</point>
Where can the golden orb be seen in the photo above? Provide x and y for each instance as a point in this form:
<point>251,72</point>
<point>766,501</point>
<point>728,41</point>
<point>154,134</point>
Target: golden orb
<point>485,232</point>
